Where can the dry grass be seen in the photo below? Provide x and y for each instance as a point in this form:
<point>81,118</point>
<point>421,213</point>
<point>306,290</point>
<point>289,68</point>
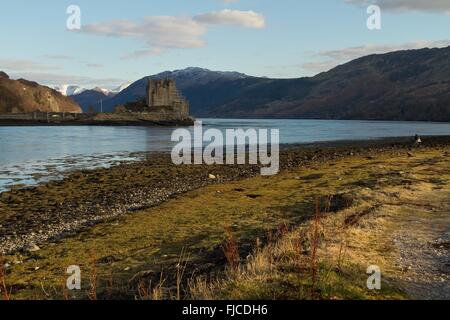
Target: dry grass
<point>110,283</point>
<point>161,291</point>
<point>65,291</point>
<point>231,250</point>
<point>146,290</point>
<point>181,269</point>
<point>3,287</point>
<point>158,292</point>
<point>93,277</point>
<point>314,261</point>
<point>314,247</point>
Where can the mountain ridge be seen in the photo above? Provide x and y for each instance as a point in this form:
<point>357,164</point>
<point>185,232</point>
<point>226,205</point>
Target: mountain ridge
<point>400,85</point>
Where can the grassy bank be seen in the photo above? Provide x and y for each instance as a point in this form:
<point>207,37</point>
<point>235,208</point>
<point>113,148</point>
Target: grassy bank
<point>275,246</point>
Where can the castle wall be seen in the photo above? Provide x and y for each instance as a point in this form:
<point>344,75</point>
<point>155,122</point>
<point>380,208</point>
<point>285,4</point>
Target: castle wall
<point>162,95</point>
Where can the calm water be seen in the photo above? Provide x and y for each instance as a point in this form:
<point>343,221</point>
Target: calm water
<point>30,155</point>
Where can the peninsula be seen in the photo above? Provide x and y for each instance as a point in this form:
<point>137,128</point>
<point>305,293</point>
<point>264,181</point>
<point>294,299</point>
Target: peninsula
<point>163,105</point>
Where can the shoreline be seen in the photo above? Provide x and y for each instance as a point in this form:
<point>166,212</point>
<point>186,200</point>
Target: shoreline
<point>95,119</point>
<point>139,155</point>
<point>40,214</point>
<point>117,123</point>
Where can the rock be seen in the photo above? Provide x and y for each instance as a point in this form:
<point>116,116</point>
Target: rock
<point>32,248</point>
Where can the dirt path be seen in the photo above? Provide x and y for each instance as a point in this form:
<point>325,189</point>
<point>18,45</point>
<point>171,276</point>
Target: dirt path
<point>422,239</point>
<point>409,232</point>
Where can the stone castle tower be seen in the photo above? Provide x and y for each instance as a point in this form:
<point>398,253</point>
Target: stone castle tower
<point>163,96</point>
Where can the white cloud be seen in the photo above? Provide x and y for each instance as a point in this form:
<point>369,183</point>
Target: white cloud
<point>58,57</point>
<point>248,19</point>
<point>94,65</point>
<point>143,53</point>
<point>438,6</point>
<point>23,65</point>
<point>161,33</point>
<point>315,67</point>
<point>52,79</point>
<point>326,60</point>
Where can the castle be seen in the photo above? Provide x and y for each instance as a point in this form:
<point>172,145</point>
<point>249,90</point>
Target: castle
<point>163,96</point>
<point>163,105</point>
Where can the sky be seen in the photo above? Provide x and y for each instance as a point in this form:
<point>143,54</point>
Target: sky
<point>122,41</point>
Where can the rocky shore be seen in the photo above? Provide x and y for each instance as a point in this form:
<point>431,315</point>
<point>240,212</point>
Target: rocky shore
<point>100,119</point>
<point>33,216</point>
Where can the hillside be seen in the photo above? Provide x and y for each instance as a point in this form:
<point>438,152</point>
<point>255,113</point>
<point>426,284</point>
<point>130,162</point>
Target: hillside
<point>403,85</point>
<point>17,96</point>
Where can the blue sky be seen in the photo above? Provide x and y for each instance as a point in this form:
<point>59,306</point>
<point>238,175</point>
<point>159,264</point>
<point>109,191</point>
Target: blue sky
<point>122,41</point>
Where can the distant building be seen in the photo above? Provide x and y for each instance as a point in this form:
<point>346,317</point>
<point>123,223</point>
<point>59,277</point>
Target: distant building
<point>163,96</point>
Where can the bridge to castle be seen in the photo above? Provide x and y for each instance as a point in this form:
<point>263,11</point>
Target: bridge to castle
<point>50,117</point>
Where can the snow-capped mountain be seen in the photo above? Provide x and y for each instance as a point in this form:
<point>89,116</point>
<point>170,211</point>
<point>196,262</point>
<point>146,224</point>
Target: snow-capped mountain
<point>185,77</point>
<point>119,89</point>
<point>69,90</point>
<point>106,92</point>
